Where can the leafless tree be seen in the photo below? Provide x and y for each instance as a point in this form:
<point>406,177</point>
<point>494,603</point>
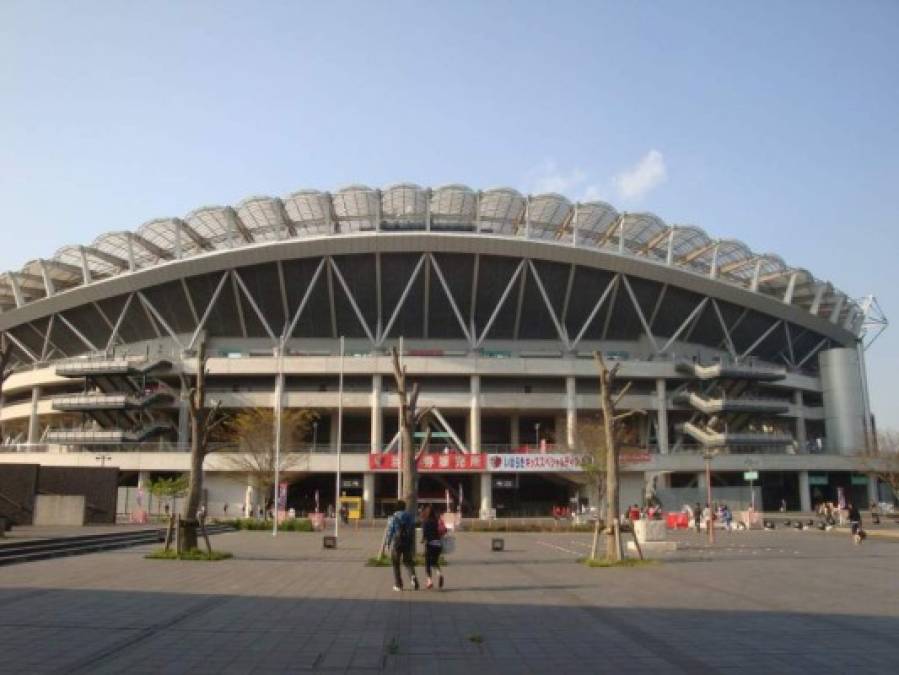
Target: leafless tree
<point>881,460</point>
<point>410,418</point>
<point>611,430</point>
<point>203,422</point>
<point>5,372</point>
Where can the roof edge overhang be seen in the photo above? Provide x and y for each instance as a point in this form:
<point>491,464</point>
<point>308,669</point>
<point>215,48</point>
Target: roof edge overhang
<point>417,242</point>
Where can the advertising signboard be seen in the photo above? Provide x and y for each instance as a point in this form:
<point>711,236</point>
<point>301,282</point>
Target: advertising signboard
<point>432,461</point>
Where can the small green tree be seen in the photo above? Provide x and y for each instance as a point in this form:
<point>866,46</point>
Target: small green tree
<point>170,488</point>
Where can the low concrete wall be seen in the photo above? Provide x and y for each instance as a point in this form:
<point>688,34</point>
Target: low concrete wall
<point>59,510</point>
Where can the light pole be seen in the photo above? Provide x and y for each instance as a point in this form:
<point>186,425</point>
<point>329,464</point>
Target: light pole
<point>314,436</point>
<point>710,523</point>
<point>536,435</point>
<point>103,459</point>
<point>339,439</point>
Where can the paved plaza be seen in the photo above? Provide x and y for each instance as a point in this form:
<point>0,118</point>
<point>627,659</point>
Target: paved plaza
<point>782,602</point>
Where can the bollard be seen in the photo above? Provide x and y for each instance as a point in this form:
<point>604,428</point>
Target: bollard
<point>497,544</point>
<point>329,541</point>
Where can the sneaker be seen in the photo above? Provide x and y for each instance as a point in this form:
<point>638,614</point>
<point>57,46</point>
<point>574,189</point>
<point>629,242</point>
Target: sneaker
<point>440,581</point>
<point>414,583</point>
<point>429,585</point>
<point>397,588</point>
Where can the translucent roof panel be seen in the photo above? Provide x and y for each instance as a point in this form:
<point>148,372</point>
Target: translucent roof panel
<point>309,211</point>
<point>99,267</point>
<point>548,214</point>
<point>164,233</point>
<point>640,230</point>
<point>404,203</point>
<point>453,205</point>
<point>262,216</point>
<point>501,210</point>
<point>215,224</point>
<point>356,208</point>
<point>593,220</point>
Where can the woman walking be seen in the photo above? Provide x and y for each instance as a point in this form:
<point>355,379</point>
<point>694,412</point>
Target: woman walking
<point>433,531</point>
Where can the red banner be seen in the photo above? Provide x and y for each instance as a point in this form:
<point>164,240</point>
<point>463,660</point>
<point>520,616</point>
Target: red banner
<point>432,461</point>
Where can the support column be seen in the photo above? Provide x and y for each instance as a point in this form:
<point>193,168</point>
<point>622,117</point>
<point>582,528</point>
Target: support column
<point>513,435</point>
<point>571,412</point>
<point>368,496</point>
<point>662,416</point>
<point>873,492</point>
<point>183,419</point>
<point>486,494</point>
<point>143,480</point>
<point>800,420</point>
<point>805,493</point>
<point>335,420</point>
<point>474,424</point>
<point>377,417</point>
<point>34,423</point>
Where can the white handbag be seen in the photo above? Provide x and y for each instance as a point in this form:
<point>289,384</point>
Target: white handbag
<point>449,544</point>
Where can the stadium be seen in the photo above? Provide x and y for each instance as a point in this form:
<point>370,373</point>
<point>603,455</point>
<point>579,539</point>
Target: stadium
<point>497,301</point>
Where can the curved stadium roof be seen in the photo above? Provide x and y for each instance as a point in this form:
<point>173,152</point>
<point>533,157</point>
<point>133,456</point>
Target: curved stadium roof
<point>408,207</point>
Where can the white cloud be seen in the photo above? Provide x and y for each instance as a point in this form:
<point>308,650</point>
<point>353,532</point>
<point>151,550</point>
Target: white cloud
<point>643,177</point>
<point>548,177</point>
<point>594,193</point>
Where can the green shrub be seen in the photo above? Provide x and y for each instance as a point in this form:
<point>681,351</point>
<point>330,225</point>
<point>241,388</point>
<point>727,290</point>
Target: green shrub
<point>259,524</point>
<point>192,554</point>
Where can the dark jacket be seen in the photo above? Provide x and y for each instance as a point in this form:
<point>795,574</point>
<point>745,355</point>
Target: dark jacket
<point>854,515</point>
<point>430,531</point>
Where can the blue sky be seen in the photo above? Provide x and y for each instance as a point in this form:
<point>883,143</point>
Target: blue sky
<point>771,122</point>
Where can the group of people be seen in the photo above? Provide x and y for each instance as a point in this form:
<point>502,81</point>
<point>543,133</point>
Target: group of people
<point>651,511</point>
<point>710,513</point>
<point>401,543</point>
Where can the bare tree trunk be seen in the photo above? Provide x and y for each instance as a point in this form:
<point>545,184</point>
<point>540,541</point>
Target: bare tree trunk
<point>200,425</point>
<point>406,412</point>
<point>5,355</point>
<point>613,543</point>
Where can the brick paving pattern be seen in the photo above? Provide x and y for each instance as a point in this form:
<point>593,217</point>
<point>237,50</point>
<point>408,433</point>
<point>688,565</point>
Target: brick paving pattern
<point>782,602</point>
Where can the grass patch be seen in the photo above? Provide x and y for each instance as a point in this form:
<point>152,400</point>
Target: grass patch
<point>627,562</point>
<point>260,524</point>
<point>384,561</point>
<point>192,554</point>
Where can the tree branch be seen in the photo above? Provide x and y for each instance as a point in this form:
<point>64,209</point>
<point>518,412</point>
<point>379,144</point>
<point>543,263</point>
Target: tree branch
<point>629,413</point>
<point>621,394</point>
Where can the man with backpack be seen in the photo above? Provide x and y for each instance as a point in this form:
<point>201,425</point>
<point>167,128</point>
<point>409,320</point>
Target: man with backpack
<point>401,540</point>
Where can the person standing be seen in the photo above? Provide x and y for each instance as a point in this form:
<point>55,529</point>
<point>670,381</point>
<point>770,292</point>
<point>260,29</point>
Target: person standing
<point>401,541</point>
<point>697,516</point>
<point>855,522</point>
<point>433,530</point>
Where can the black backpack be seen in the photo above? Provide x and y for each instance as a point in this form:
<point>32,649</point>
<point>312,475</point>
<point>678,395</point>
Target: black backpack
<point>403,538</point>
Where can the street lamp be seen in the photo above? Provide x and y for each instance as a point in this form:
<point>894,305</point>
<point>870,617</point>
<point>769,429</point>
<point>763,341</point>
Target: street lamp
<point>537,435</point>
<point>707,455</point>
<point>103,459</point>
<point>314,435</point>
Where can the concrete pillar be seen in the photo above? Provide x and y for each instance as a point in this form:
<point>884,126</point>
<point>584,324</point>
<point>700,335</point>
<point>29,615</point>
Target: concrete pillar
<point>335,420</point>
<point>377,416</point>
<point>513,437</point>
<point>571,412</point>
<point>486,493</point>
<point>34,423</point>
<point>143,480</point>
<point>873,492</point>
<point>474,418</point>
<point>183,419</point>
<point>662,416</point>
<point>700,483</point>
<point>249,500</point>
<point>800,420</point>
<point>368,495</point>
<point>805,493</point>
